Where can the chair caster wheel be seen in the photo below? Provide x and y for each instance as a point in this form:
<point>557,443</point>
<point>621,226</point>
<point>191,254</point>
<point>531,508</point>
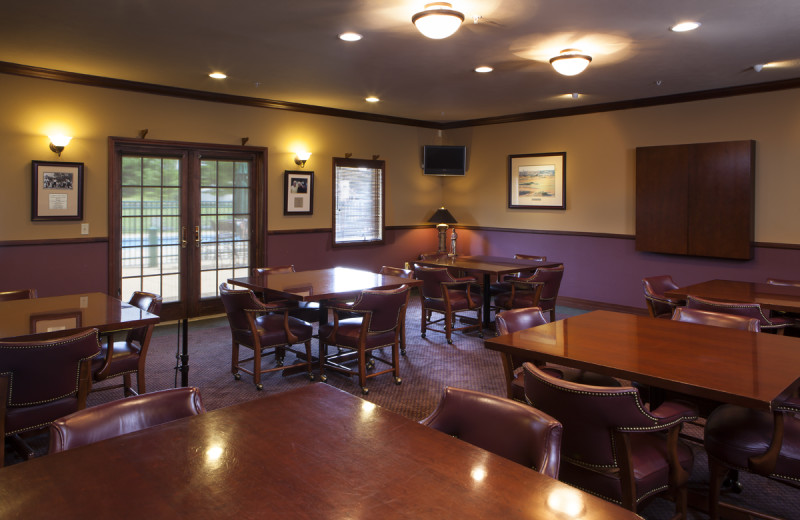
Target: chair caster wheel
<point>279,364</point>
<point>422,335</point>
<point>403,352</point>
<point>371,364</point>
<point>449,341</point>
<point>480,335</point>
<point>237,376</point>
<point>310,377</point>
<point>259,386</point>
<point>364,390</point>
<point>323,378</point>
<point>397,380</point>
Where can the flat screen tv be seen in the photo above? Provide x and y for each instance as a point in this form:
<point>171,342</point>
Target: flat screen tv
<point>444,160</point>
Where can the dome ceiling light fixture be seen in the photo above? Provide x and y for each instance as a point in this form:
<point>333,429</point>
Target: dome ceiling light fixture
<point>570,62</point>
<point>438,20</point>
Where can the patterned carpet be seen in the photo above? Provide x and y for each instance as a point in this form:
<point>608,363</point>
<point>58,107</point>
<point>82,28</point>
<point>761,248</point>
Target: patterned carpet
<point>429,365</point>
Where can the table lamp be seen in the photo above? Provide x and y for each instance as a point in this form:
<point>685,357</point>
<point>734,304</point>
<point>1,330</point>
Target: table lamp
<point>441,217</point>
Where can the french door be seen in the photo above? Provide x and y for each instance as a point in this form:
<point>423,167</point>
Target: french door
<point>184,218</point>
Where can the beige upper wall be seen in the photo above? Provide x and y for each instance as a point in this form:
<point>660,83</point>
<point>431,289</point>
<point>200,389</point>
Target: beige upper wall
<point>33,108</point>
<point>601,162</point>
<point>600,156</point>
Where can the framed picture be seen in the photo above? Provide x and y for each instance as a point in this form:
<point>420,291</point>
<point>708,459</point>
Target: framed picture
<point>537,181</point>
<point>42,323</point>
<point>298,193</point>
<point>57,191</point>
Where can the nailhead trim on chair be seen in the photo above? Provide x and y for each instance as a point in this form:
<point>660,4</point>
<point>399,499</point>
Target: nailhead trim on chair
<point>77,376</point>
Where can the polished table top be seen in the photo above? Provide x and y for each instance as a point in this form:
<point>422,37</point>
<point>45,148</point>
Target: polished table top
<point>311,452</point>
<point>41,315</point>
<point>774,297</point>
<point>746,368</point>
<point>321,284</point>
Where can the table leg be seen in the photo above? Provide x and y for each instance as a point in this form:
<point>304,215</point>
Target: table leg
<point>487,301</point>
<point>183,364</point>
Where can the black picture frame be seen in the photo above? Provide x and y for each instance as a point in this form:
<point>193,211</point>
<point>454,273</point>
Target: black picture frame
<point>56,190</point>
<point>298,193</point>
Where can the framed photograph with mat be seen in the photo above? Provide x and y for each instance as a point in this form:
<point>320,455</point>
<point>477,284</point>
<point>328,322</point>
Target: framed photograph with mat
<point>57,191</point>
<point>537,181</point>
<point>298,193</point>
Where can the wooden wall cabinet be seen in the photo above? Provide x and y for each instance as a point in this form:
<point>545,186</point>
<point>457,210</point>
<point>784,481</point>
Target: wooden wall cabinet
<point>696,199</point>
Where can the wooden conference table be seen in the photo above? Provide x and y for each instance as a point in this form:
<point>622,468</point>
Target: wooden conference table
<point>320,285</point>
<point>725,365</point>
<point>304,453</point>
<point>20,318</point>
<point>771,297</point>
<point>488,265</point>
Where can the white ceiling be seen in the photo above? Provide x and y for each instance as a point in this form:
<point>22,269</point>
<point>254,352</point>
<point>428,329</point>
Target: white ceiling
<point>289,51</point>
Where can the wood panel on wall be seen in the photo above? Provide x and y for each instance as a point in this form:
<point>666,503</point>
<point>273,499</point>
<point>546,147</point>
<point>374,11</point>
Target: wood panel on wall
<point>696,199</point>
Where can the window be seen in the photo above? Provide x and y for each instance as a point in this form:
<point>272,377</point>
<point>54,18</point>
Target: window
<point>358,188</point>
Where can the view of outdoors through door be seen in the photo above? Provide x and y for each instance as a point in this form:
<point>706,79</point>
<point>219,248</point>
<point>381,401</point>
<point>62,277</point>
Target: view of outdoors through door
<point>185,225</point>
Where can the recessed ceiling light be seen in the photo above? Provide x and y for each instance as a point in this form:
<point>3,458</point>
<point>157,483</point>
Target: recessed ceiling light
<point>684,26</point>
<point>350,36</point>
<point>217,75</point>
<point>372,99</point>
<point>483,69</point>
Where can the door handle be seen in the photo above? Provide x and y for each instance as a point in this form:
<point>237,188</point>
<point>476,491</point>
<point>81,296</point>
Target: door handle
<point>183,237</point>
<point>197,236</point>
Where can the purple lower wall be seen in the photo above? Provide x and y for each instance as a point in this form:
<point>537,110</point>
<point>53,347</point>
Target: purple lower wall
<point>599,269</point>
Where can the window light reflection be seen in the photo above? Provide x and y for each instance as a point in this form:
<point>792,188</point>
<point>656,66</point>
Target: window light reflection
<point>567,502</point>
<point>478,474</point>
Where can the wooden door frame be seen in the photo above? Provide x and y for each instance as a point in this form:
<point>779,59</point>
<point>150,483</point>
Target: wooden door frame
<point>188,151</point>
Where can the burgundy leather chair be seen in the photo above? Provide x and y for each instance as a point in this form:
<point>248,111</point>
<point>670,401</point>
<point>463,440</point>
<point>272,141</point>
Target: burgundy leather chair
<point>538,290</point>
<point>381,315</point>
<point>716,319</point>
<point>442,293</point>
<point>401,273</point>
<point>658,304</point>
<point>126,357</point>
<point>41,381</point>
<point>763,443</point>
<point>612,445</point>
<point>794,317</point>
<point>306,311</point>
<point>262,326</point>
<point>504,427</point>
<point>749,310</point>
<point>514,320</point>
<point>20,294</point>
<point>521,274</point>
<point>123,416</point>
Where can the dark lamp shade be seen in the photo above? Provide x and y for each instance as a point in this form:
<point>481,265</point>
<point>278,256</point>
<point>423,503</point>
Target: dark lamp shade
<point>442,216</point>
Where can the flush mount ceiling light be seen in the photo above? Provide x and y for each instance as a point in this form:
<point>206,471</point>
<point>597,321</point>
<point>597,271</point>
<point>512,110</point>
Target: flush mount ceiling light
<point>372,99</point>
<point>438,20</point>
<point>218,75</point>
<point>684,26</point>
<point>350,36</point>
<point>570,62</point>
<point>483,69</point>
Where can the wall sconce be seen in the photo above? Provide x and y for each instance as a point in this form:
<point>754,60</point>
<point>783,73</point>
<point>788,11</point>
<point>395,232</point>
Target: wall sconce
<point>570,62</point>
<point>300,158</point>
<point>438,20</point>
<point>442,218</point>
<point>58,143</point>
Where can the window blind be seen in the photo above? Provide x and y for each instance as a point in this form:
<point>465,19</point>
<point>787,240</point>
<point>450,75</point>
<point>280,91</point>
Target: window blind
<point>358,202</point>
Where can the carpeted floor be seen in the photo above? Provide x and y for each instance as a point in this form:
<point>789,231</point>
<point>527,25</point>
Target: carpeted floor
<point>429,365</point>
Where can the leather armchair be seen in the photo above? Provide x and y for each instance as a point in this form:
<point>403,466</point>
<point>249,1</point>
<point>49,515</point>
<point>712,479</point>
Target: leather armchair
<point>123,416</point>
<point>521,274</point>
<point>538,290</point>
<point>381,313</point>
<point>123,358</point>
<point>658,304</point>
<point>446,295</point>
<point>402,273</point>
<point>261,327</point>
<point>716,319</point>
<point>612,445</point>
<point>763,443</point>
<point>51,378</point>
<point>748,310</point>
<point>504,427</point>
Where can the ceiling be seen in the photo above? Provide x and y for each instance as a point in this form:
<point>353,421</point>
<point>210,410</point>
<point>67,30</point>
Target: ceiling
<point>289,51</point>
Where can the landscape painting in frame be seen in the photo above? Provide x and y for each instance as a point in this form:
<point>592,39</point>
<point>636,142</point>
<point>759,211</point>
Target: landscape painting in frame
<point>537,181</point>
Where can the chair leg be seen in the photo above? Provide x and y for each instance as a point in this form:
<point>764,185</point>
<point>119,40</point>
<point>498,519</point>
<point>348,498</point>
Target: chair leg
<point>235,360</point>
<point>449,318</point>
<point>308,360</point>
<point>717,474</point>
<point>552,315</point>
<point>140,384</point>
<point>257,368</point>
<point>323,354</point>
<point>126,385</point>
<point>362,370</point>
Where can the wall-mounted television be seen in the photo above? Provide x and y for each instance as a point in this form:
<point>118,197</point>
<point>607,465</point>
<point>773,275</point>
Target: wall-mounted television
<point>444,160</point>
